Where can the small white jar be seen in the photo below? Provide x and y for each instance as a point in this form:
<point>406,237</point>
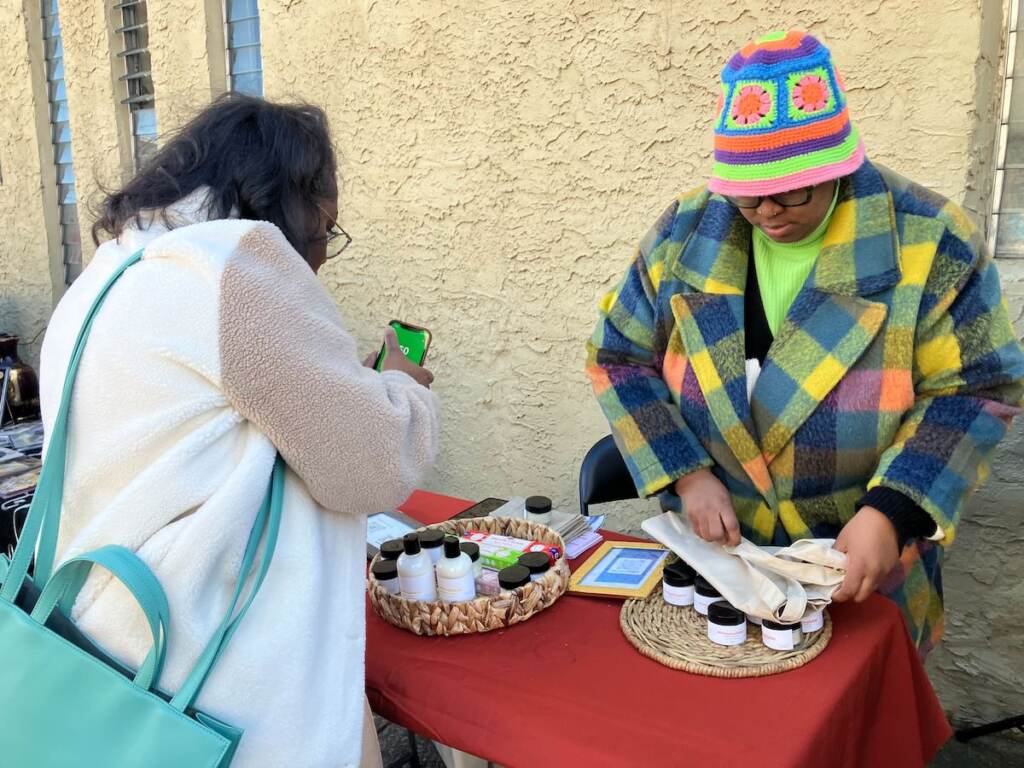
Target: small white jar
<point>781,637</point>
<point>386,574</point>
<point>472,550</point>
<point>726,625</point>
<point>538,510</point>
<point>704,595</point>
<point>812,622</point>
<point>677,584</point>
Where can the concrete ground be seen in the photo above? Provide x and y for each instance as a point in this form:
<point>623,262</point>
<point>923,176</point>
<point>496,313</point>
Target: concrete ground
<point>1000,751</point>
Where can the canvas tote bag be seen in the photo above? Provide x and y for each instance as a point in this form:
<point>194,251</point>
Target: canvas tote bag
<point>780,584</point>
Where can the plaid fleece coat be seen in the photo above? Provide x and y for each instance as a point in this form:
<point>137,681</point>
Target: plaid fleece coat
<point>895,366</point>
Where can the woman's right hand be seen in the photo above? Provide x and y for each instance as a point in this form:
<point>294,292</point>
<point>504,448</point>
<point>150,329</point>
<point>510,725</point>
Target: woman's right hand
<point>708,507</point>
<point>394,360</point>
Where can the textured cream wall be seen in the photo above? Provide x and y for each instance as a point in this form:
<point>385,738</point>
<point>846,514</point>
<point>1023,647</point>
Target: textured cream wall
<point>25,284</point>
<point>189,73</point>
<point>500,160</point>
<point>99,126</point>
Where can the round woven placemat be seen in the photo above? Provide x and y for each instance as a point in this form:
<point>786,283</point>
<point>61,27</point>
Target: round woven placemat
<point>678,638</point>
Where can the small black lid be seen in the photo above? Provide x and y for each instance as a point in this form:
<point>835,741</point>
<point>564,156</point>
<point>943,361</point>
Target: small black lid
<point>535,562</point>
<point>411,543</point>
<point>778,624</point>
<point>383,570</point>
<point>471,548</point>
<point>431,538</point>
<point>678,577</point>
<point>451,547</point>
<point>538,505</point>
<point>703,587</point>
<point>681,566</point>
<point>513,577</point>
<point>723,613</point>
<point>391,549</point>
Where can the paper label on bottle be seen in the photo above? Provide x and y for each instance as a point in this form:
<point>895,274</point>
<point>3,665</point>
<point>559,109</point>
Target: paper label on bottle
<point>732,634</point>
<point>419,586</point>
<point>456,589</point>
<point>780,639</point>
<point>677,595</point>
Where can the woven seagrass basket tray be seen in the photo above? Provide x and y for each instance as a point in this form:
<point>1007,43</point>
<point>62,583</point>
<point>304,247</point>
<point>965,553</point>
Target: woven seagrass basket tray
<point>677,637</point>
<point>485,613</point>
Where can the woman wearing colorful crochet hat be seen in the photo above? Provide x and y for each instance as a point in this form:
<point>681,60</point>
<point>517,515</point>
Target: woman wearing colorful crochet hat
<point>810,345</point>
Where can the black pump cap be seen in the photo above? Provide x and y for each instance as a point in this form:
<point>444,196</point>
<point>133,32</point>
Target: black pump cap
<point>535,562</point>
<point>513,577</point>
<point>538,505</point>
<point>723,613</point>
<point>451,547</point>
<point>471,548</point>
<point>385,570</point>
<point>703,587</point>
<point>431,538</point>
<point>391,549</point>
<point>411,543</point>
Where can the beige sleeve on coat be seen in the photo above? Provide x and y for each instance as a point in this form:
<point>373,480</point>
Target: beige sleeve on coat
<point>360,440</point>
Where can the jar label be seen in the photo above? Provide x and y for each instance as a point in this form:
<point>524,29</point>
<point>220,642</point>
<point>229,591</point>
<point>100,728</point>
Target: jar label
<point>780,639</point>
<point>813,622</point>
<point>701,603</point>
<point>677,595</point>
<point>727,634</point>
<point>456,589</point>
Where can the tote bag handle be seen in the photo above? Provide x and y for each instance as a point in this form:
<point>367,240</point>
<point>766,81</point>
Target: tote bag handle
<point>42,526</point>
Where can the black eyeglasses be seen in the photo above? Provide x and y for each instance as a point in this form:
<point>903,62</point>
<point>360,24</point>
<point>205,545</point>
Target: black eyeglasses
<point>337,239</point>
<point>794,198</point>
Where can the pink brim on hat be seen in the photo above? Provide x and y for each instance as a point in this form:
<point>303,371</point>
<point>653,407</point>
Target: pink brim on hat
<point>805,178</point>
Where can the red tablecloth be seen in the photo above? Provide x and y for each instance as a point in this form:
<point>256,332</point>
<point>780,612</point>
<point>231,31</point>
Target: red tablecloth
<point>566,688</point>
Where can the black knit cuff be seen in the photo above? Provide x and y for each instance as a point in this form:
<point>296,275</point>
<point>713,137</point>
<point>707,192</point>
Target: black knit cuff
<point>909,520</point>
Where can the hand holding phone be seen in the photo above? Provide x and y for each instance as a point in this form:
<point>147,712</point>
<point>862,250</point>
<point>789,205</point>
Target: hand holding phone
<point>404,349</point>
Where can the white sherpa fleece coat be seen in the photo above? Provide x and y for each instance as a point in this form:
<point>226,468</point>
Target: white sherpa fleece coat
<point>219,347</point>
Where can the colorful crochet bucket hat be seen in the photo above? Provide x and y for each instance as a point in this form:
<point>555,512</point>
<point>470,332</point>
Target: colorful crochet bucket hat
<point>782,119</point>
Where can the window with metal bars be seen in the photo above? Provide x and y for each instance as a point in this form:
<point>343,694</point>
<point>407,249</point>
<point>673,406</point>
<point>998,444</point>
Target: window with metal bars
<point>60,136</point>
<point>245,65</point>
<point>137,78</point>
<point>1006,230</point>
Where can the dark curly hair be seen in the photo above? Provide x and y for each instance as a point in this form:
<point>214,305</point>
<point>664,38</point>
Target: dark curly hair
<point>270,162</point>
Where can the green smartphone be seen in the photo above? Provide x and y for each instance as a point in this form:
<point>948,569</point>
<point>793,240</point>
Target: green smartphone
<point>413,341</point>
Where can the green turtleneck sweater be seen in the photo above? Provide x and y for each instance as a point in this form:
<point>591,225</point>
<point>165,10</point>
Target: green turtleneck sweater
<point>782,268</point>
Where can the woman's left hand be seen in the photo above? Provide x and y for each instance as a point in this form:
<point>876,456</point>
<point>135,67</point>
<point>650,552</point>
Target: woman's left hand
<point>870,543</point>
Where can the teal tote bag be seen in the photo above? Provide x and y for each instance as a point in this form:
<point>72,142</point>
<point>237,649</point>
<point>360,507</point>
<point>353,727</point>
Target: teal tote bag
<point>63,704</point>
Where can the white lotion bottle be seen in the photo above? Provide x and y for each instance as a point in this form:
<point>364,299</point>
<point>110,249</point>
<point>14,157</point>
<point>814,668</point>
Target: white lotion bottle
<point>416,571</point>
<point>455,580</point>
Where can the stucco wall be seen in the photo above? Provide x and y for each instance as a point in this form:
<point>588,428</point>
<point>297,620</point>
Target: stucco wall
<point>25,285</point>
<point>99,127</point>
<point>500,160</point>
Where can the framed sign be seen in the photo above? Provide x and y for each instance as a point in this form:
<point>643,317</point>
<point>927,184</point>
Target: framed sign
<point>620,569</point>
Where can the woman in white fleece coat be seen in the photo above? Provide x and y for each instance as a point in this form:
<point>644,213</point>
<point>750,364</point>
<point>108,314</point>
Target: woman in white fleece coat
<point>217,351</point>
